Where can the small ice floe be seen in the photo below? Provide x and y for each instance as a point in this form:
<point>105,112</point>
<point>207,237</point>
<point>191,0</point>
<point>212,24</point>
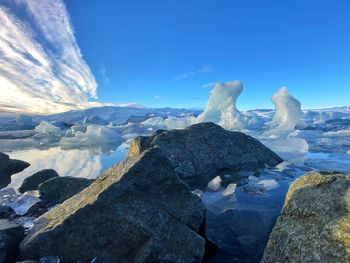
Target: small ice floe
<point>215,183</point>
<point>26,221</point>
<point>230,189</point>
<point>197,192</point>
<point>253,178</point>
<point>268,184</point>
<point>8,196</point>
<point>24,203</point>
<point>50,259</point>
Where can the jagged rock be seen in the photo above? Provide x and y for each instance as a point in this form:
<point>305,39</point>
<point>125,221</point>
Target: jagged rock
<point>59,189</point>
<point>10,236</point>
<point>137,211</point>
<point>32,182</point>
<point>315,222</point>
<point>207,150</point>
<point>8,167</point>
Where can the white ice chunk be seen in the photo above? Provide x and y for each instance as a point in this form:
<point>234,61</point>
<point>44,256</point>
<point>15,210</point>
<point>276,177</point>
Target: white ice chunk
<point>230,189</point>
<point>288,111</point>
<point>24,203</point>
<point>221,109</point>
<point>289,147</point>
<point>341,133</point>
<point>221,106</point>
<point>48,128</point>
<point>268,184</point>
<point>94,135</point>
<point>197,192</point>
<point>215,183</point>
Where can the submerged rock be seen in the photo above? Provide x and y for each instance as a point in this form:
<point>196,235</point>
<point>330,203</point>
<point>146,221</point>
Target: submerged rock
<point>59,189</point>
<point>10,236</point>
<point>32,182</point>
<point>137,211</point>
<point>206,150</point>
<point>315,222</point>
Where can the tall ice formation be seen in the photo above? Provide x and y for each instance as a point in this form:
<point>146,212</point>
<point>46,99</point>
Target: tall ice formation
<point>288,110</point>
<point>221,106</point>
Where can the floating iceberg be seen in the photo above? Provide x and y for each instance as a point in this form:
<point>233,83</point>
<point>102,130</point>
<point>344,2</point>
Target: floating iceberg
<point>221,109</point>
<point>47,128</point>
<point>221,106</point>
<point>95,135</point>
<point>288,111</point>
<point>268,184</point>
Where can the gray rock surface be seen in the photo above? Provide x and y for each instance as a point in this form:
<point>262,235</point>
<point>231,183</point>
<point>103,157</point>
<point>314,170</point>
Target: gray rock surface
<point>59,189</point>
<point>137,211</point>
<point>315,222</point>
<point>32,182</point>
<point>10,236</point>
<point>207,150</point>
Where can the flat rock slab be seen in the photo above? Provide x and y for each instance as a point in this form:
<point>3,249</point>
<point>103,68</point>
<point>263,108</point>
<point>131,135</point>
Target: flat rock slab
<point>315,222</point>
<point>137,211</point>
<point>207,150</point>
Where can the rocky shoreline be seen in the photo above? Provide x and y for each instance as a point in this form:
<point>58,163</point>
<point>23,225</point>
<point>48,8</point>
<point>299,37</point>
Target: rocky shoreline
<point>144,209</point>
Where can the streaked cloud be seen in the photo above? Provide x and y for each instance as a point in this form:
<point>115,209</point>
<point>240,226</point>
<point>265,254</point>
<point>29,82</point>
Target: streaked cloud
<point>209,85</point>
<point>104,75</point>
<point>157,97</point>
<point>191,73</point>
<point>42,69</point>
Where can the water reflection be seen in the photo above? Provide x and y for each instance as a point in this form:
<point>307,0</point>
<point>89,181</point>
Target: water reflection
<point>87,163</point>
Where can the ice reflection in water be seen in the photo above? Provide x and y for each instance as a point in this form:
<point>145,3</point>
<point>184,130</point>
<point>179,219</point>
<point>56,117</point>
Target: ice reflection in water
<point>84,163</point>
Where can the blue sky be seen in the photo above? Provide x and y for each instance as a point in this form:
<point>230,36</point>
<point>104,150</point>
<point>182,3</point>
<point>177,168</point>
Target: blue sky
<point>143,47</point>
<point>63,54</point>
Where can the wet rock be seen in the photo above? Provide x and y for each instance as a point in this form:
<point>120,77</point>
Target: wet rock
<point>59,189</point>
<point>137,211</point>
<point>32,182</point>
<point>207,150</point>
<point>10,236</point>
<point>315,222</point>
<point>5,211</point>
<point>8,167</point>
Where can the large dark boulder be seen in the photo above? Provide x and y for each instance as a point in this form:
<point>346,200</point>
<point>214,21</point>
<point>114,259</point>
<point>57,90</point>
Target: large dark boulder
<point>59,189</point>
<point>137,211</point>
<point>207,150</point>
<point>32,182</point>
<point>315,222</point>
<point>8,167</point>
<point>10,236</point>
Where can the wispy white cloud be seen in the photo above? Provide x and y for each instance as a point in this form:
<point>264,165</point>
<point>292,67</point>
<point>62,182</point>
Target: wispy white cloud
<point>208,85</point>
<point>104,75</point>
<point>191,73</point>
<point>41,66</point>
<point>157,97</point>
